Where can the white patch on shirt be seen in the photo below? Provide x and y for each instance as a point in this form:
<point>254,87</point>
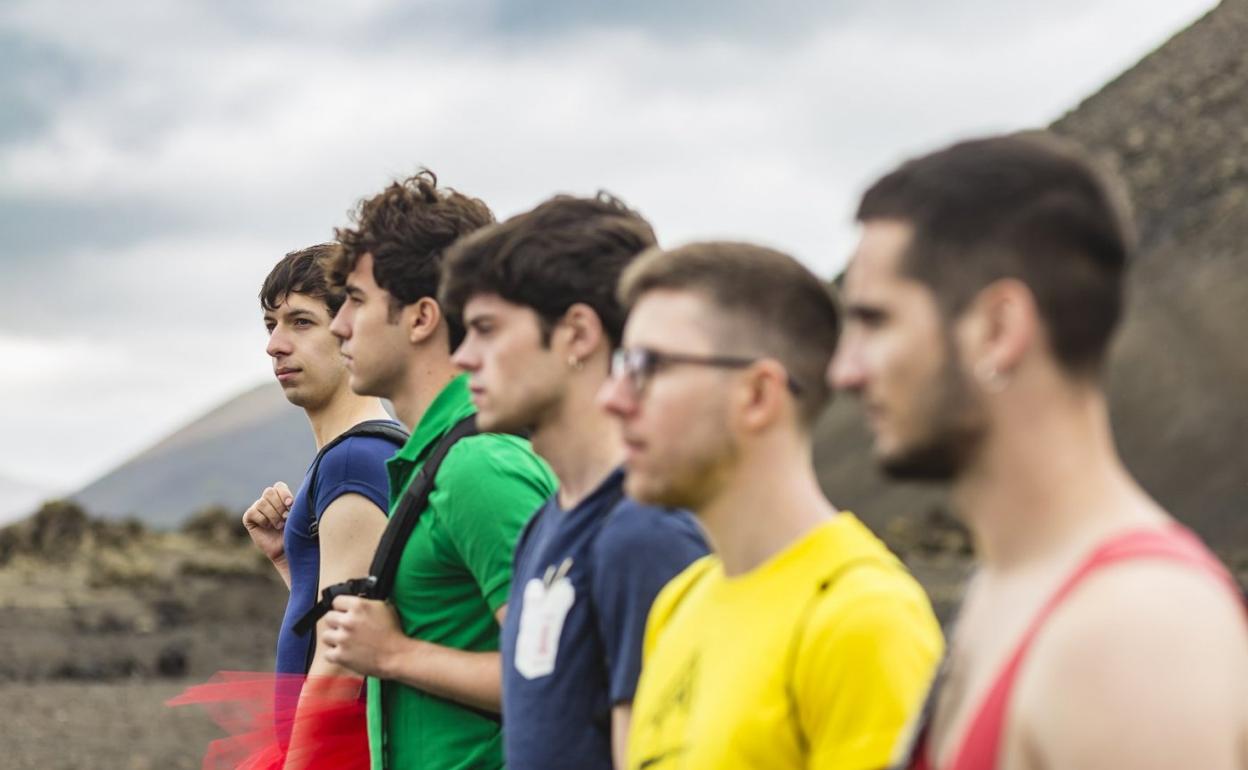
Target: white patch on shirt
<point>546,605</point>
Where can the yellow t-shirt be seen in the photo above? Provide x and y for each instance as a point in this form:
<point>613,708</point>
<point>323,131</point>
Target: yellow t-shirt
<point>816,659</point>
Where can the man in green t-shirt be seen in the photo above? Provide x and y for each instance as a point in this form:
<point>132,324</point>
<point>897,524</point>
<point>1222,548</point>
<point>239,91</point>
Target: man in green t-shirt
<point>431,653</point>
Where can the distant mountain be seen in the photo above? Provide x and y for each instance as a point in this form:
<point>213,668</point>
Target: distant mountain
<point>1173,126</point>
<point>20,498</point>
<point>225,457</point>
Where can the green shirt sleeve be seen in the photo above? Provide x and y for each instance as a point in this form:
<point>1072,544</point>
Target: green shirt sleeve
<point>488,488</point>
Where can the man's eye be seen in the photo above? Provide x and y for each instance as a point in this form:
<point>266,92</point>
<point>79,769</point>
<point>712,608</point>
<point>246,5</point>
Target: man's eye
<point>302,323</point>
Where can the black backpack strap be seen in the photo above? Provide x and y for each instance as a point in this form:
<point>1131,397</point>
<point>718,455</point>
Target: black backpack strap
<point>405,517</point>
<point>402,523</point>
<point>384,429</point>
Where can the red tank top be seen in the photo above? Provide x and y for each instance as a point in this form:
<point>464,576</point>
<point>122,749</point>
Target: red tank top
<point>981,742</point>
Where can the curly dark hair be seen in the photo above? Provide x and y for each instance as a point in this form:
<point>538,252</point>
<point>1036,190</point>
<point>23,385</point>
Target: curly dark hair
<point>565,251</point>
<point>406,228</point>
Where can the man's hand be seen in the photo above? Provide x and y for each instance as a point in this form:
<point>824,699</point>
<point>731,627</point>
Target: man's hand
<point>266,518</point>
<point>363,635</point>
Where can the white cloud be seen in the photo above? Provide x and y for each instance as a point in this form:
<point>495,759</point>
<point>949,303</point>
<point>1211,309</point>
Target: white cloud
<point>260,126</point>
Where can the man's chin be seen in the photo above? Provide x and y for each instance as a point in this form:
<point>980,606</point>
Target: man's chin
<point>650,491</point>
<point>492,421</point>
<point>362,387</point>
<point>934,464</point>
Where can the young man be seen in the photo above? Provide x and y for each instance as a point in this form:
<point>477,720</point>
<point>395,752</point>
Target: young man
<point>432,653</point>
<point>802,643</point>
<point>1097,632</point>
<point>537,297</point>
<point>319,536</point>
<point>328,530</point>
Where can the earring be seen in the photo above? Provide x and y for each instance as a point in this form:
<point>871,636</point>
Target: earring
<point>992,378</point>
<point>576,363</point>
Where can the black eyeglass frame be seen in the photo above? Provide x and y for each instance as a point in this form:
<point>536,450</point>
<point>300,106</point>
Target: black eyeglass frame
<point>640,364</point>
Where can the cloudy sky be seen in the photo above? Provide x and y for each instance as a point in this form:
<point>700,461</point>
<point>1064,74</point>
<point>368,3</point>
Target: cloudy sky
<point>157,157</point>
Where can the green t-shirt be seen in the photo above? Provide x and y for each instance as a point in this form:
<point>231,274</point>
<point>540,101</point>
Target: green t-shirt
<point>454,574</point>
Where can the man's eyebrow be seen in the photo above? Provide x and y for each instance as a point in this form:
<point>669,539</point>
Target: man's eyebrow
<point>865,311</point>
<point>351,288</point>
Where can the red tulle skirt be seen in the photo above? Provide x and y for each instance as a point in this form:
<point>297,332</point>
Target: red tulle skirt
<point>276,721</point>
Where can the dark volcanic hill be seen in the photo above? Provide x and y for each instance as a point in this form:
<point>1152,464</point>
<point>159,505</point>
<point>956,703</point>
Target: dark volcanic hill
<point>224,458</point>
<point>1176,127</point>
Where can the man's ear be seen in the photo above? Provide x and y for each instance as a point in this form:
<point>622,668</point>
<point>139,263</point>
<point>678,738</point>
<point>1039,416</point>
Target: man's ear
<point>999,328</point>
<point>763,394</point>
<point>421,320</point>
<point>583,332</point>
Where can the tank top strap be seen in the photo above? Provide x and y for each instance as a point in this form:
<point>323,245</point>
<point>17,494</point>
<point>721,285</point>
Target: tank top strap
<point>982,740</point>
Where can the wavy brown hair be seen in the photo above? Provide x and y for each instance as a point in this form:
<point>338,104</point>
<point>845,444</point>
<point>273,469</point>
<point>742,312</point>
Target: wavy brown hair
<point>407,228</point>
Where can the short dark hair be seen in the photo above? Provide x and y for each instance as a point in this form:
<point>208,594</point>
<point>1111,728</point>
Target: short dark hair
<point>1024,206</point>
<point>772,303</point>
<point>407,227</point>
<point>565,251</point>
<point>303,272</point>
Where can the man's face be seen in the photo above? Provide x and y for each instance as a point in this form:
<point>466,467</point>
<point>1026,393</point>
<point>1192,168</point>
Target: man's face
<point>516,381</point>
<point>899,355</point>
<point>374,344</point>
<point>680,450</point>
<point>305,355</point>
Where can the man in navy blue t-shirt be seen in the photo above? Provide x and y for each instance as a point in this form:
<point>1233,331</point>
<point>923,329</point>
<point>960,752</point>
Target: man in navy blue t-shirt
<point>537,296</point>
<point>328,531</point>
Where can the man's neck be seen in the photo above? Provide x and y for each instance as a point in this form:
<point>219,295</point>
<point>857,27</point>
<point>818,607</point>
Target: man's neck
<point>770,500</point>
<point>580,441</point>
<point>343,411</point>
<point>1048,484</point>
<point>426,376</point>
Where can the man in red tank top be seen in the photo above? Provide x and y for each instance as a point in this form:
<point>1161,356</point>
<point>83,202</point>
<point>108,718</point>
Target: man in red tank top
<point>1097,632</point>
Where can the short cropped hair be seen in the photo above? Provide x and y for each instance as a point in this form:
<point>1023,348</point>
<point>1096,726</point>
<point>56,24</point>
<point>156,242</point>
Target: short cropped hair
<point>771,305</point>
<point>1027,207</point>
<point>303,272</point>
<point>407,228</point>
<point>566,251</point>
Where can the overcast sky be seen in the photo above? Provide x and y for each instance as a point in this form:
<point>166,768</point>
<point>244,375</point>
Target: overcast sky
<point>156,158</point>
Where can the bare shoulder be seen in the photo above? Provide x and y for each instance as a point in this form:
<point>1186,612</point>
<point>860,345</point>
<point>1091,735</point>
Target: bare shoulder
<point>1145,665</point>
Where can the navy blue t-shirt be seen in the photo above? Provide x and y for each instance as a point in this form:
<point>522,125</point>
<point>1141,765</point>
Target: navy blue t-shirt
<point>356,465</point>
<point>582,587</point>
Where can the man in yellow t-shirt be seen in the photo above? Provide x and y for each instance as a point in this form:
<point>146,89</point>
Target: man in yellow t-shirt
<point>802,642</point>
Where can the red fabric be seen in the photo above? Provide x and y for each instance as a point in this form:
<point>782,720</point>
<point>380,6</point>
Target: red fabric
<point>260,711</point>
<point>982,741</point>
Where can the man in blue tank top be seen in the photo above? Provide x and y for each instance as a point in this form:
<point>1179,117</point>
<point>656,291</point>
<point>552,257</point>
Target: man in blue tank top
<point>327,531</point>
<point>537,296</point>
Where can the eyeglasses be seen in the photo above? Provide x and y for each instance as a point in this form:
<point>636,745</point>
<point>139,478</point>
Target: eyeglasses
<point>640,364</point>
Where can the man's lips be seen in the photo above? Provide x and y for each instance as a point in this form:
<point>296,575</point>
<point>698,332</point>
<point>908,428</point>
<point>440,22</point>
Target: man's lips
<point>286,373</point>
<point>633,446</point>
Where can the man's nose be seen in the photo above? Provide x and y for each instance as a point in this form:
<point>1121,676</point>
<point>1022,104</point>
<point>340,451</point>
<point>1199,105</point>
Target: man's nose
<point>466,356</point>
<point>616,396</point>
<point>845,371</point>
<point>279,344</point>
<point>340,327</point>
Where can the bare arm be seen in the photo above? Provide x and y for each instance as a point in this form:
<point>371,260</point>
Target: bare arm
<point>364,636</point>
<point>265,520</point>
<point>350,529</point>
<point>1147,668</point>
<point>621,721</point>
